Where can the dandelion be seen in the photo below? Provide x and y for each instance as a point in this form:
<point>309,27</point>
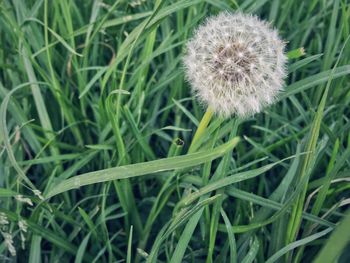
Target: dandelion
<point>235,64</point>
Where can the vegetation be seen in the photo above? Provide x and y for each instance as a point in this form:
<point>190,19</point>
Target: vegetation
<point>98,159</point>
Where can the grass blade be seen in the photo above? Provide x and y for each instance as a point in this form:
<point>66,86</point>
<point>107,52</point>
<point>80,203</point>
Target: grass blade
<point>133,170</point>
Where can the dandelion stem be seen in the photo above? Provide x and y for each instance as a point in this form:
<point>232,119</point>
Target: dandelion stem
<point>201,128</point>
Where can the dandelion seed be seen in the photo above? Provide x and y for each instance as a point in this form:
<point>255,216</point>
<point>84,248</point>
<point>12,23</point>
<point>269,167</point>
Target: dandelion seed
<point>240,40</point>
<point>244,69</point>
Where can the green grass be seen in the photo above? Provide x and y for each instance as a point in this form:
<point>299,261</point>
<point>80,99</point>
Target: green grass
<point>96,115</point>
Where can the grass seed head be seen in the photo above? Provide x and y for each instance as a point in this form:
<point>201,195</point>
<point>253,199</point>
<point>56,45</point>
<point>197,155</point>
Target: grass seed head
<point>8,240</point>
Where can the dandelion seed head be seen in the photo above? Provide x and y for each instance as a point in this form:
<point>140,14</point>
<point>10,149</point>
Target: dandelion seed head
<point>235,64</point>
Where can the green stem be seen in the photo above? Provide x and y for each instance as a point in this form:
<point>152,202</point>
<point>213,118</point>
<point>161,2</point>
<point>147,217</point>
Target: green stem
<point>201,129</point>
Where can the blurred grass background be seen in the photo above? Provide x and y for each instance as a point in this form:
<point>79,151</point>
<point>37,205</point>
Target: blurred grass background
<point>91,85</point>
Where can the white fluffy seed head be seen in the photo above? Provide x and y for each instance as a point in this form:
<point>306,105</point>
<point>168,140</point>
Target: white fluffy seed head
<point>235,64</point>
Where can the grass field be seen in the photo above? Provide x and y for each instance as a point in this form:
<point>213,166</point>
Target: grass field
<point>97,120</point>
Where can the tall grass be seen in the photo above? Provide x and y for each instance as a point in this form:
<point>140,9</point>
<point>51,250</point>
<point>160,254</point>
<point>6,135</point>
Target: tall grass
<point>96,123</point>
